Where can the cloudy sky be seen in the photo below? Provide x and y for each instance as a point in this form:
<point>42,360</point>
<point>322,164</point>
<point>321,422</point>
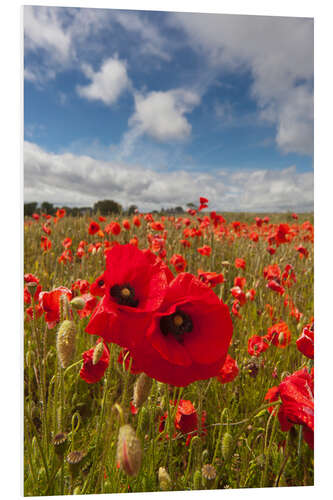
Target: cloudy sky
<point>157,109</point>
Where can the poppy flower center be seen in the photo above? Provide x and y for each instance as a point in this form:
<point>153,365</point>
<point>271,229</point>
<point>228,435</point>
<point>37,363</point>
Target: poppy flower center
<point>176,324</point>
<point>124,295</point>
<point>100,283</point>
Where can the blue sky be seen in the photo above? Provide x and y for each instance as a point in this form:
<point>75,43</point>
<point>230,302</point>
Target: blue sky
<point>158,108</point>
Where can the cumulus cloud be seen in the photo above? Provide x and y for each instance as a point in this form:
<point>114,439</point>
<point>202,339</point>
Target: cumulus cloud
<point>279,54</point>
<point>161,114</point>
<point>72,179</point>
<point>106,84</point>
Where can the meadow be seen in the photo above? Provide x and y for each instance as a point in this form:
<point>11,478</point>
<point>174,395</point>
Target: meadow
<point>232,430</point>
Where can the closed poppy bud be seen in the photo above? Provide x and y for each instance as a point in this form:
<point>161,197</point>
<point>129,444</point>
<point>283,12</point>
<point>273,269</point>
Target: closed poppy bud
<point>197,480</point>
<point>164,479</point>
<point>142,389</point>
<point>78,303</point>
<point>66,342</point>
<point>226,446</point>
<point>98,352</point>
<point>129,451</point>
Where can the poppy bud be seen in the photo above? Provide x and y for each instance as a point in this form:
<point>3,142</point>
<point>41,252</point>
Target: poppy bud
<point>129,450</point>
<point>197,480</point>
<point>31,286</point>
<point>78,303</point>
<point>59,443</point>
<point>164,479</point>
<point>142,389</point>
<point>226,445</point>
<point>98,353</point>
<point>66,342</point>
<point>74,459</point>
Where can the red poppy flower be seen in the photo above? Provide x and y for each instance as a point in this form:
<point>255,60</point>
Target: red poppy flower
<point>272,272</point>
<point>275,286</point>
<point>303,252</point>
<point>259,221</point>
<point>45,243</point>
<point>205,250</point>
<point>67,242</point>
<point>38,312</point>
<point>296,393</point>
<point>294,216</point>
<point>66,256</point>
<point>189,335</point>
<point>50,303</point>
<point>186,419</point>
<point>93,228</point>
<point>271,250</point>
<point>46,229</point>
<point>239,294</point>
<point>93,373</point>
<point>240,263</point>
<point>229,370</point>
<point>101,218</point>
<point>282,234</point>
<point>126,224</point>
<point>178,262</point>
<point>279,335</point>
<point>203,200</point>
<point>256,345</point>
<point>240,281</point>
<point>250,294</point>
<point>305,343</point>
<point>157,226</point>
<point>135,285</point>
<point>61,212</point>
<point>81,285</point>
<point>210,279</point>
<point>136,221</point>
<point>35,216</point>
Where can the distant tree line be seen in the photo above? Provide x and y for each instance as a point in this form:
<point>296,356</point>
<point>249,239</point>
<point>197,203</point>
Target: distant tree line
<point>103,207</point>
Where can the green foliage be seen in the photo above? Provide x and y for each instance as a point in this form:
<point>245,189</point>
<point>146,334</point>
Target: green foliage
<point>107,207</point>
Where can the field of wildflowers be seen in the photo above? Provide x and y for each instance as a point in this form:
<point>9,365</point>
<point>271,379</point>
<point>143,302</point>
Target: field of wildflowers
<point>168,352</point>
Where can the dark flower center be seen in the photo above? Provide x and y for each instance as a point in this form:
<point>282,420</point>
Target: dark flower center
<point>124,295</point>
<point>100,282</point>
<point>177,324</point>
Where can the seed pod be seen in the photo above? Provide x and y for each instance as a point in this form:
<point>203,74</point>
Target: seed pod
<point>74,460</point>
<point>164,479</point>
<point>98,353</point>
<point>78,303</point>
<point>226,445</point>
<point>208,472</point>
<point>66,342</point>
<point>31,286</point>
<point>129,450</point>
<point>197,480</point>
<point>142,389</point>
<point>59,443</point>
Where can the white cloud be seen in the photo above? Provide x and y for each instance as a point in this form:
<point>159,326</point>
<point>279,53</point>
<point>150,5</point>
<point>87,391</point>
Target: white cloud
<point>73,179</point>
<point>161,114</point>
<point>279,54</point>
<point>106,84</point>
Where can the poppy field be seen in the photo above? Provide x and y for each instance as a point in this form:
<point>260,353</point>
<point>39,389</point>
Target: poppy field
<point>168,352</point>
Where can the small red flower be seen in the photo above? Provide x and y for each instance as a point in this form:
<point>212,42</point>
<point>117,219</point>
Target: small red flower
<point>186,419</point>
<point>240,263</point>
<point>275,286</point>
<point>211,279</point>
<point>61,212</point>
<point>93,373</point>
<point>50,303</point>
<point>279,335</point>
<point>178,262</point>
<point>93,228</point>
<point>229,370</point>
<point>67,242</point>
<point>205,250</point>
<point>256,345</point>
<point>296,393</point>
<point>305,343</point>
<point>46,229</point>
<point>35,216</point>
<point>45,243</point>
<point>126,224</point>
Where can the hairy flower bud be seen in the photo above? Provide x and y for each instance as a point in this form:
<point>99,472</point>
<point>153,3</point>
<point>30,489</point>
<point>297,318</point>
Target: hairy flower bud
<point>74,460</point>
<point>98,353</point>
<point>226,445</point>
<point>66,342</point>
<point>129,450</point>
<point>142,389</point>
<point>78,303</point>
<point>197,480</point>
<point>164,479</point>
